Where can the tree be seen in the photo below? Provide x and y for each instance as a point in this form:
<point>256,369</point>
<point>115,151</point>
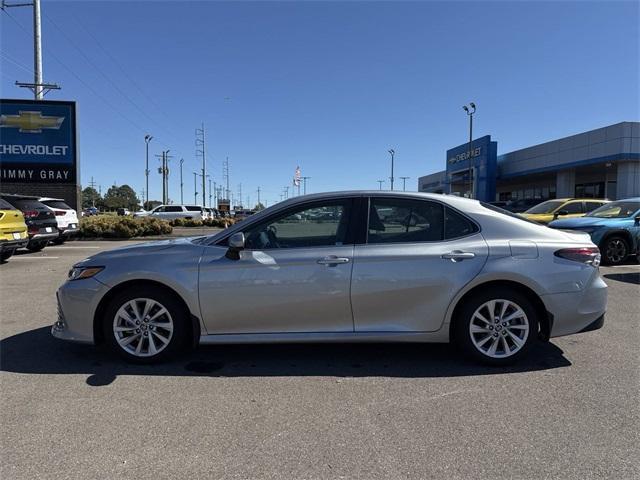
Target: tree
<point>259,206</point>
<point>121,197</point>
<point>91,198</point>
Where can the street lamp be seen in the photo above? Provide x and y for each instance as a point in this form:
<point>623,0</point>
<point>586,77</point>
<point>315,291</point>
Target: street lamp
<point>471,109</point>
<point>147,139</point>
<point>380,182</point>
<point>392,152</point>
<point>181,184</point>
<point>404,182</point>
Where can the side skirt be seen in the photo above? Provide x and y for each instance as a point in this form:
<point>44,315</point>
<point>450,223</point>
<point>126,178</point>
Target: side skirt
<point>440,336</point>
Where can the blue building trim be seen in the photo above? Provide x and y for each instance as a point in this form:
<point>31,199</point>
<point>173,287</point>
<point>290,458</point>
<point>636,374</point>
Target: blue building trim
<point>579,163</point>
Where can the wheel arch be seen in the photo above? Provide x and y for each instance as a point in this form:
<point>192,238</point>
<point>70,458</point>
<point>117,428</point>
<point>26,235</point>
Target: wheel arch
<point>625,234</point>
<point>193,325</point>
<point>545,318</point>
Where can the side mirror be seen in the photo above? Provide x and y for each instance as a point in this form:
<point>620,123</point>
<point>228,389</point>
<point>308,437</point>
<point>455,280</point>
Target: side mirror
<point>559,213</point>
<point>236,243</point>
<point>637,220</point>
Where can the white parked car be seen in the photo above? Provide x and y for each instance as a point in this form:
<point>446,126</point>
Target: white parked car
<point>171,212</point>
<point>66,218</point>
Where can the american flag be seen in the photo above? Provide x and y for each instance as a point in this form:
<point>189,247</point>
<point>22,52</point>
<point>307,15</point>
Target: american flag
<point>297,176</point>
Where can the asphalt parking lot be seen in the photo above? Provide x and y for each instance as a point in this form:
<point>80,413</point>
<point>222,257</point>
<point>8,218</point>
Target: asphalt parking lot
<point>570,411</point>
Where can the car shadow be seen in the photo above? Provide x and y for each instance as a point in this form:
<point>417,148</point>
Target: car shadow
<point>37,352</point>
<point>631,277</point>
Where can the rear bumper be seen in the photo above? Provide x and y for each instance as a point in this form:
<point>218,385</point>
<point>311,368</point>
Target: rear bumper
<point>67,232</point>
<point>12,244</point>
<point>577,312</point>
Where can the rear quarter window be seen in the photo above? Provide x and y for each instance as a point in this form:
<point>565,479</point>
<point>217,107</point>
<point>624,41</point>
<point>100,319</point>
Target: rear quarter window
<point>457,225</point>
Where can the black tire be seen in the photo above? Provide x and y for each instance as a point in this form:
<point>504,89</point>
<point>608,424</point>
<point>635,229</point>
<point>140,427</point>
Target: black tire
<point>36,246</point>
<point>614,250</point>
<point>462,336</point>
<point>5,255</point>
<point>58,241</point>
<point>178,313</point>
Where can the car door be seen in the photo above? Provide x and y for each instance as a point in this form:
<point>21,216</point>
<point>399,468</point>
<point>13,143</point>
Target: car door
<point>417,256</point>
<point>293,275</point>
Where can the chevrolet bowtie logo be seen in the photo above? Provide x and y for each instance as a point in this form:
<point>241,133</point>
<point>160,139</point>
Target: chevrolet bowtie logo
<point>30,122</point>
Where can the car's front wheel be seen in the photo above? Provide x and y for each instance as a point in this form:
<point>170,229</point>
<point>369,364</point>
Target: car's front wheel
<point>36,246</point>
<point>145,325</point>
<point>614,250</point>
<point>496,327</point>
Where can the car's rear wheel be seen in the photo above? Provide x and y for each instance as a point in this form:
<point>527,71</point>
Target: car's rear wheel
<point>496,327</point>
<point>36,246</point>
<point>145,325</point>
<point>6,254</point>
<point>614,250</point>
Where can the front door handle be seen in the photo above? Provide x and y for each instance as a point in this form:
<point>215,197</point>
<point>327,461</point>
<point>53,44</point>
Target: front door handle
<point>333,260</point>
<point>458,255</point>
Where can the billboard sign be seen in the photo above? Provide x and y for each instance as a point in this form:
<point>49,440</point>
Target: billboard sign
<point>38,142</point>
<point>482,157</point>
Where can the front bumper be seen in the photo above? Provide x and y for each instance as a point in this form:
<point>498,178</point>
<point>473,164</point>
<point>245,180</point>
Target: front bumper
<point>577,312</point>
<point>77,304</point>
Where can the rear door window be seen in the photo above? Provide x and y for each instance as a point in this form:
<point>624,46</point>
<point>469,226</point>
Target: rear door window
<point>591,206</point>
<point>400,220</point>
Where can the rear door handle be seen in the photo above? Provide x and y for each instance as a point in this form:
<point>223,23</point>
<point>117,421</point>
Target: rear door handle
<point>333,260</point>
<point>458,255</point>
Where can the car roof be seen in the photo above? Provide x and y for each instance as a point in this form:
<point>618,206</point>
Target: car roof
<point>17,196</point>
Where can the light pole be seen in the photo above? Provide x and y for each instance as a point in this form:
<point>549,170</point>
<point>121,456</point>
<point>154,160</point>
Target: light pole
<point>471,109</point>
<point>147,139</point>
<point>304,184</point>
<point>404,182</point>
<point>195,188</point>
<point>392,152</point>
<point>380,182</point>
<point>181,184</point>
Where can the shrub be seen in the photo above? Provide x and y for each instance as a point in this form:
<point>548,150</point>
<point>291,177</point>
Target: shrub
<point>123,227</point>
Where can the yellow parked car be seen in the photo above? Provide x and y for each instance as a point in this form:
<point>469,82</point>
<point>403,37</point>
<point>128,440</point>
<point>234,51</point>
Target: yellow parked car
<point>13,230</point>
<point>550,210</point>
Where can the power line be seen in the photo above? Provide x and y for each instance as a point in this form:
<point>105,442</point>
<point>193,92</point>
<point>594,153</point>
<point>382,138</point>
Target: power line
<point>16,63</point>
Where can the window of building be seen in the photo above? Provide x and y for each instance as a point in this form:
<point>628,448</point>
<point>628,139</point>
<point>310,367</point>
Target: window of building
<point>590,190</point>
<point>394,220</point>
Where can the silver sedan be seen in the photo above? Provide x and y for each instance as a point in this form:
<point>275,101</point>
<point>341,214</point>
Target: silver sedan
<point>343,267</point>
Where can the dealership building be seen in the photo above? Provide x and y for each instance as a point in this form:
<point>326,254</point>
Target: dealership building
<point>601,163</point>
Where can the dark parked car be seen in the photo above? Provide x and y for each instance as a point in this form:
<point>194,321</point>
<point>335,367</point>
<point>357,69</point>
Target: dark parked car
<point>40,220</point>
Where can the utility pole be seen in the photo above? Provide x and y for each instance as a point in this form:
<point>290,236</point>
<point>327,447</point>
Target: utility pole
<point>380,182</point>
<point>92,184</point>
<point>164,171</point>
<point>471,109</point>
<point>404,182</point>
<point>181,183</point>
<point>304,184</point>
<point>147,139</point>
<point>201,151</point>
<point>38,87</point>
<point>225,175</point>
<point>210,194</point>
<point>195,188</point>
<point>286,192</point>
<point>258,191</point>
<point>240,194</point>
<point>392,152</point>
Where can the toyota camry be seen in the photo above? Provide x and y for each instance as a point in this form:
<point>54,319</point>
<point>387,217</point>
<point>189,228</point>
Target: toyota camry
<point>366,266</point>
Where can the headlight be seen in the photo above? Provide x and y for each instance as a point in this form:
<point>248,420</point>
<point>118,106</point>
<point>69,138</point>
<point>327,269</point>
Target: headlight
<point>78,273</point>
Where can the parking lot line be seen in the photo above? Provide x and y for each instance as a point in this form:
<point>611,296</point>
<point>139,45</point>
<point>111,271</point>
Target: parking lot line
<point>66,247</point>
<point>20,257</point>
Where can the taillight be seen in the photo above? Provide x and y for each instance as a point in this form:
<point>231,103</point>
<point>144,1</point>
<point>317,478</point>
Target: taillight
<point>30,213</point>
<point>59,213</point>
<point>588,255</point>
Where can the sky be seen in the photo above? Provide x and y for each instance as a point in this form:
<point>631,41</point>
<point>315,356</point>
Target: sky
<point>328,86</point>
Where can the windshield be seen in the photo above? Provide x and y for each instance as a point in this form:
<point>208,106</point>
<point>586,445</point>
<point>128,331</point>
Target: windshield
<point>546,207</point>
<point>622,209</point>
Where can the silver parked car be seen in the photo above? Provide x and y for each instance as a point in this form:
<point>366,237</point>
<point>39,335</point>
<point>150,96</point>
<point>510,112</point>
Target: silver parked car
<point>343,267</point>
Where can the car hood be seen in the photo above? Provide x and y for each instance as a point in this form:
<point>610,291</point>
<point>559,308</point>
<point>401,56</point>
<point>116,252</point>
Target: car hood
<point>136,250</point>
<point>582,222</point>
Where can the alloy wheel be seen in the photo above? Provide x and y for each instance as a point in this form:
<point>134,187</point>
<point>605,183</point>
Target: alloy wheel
<point>499,328</point>
<point>143,327</point>
<point>616,250</point>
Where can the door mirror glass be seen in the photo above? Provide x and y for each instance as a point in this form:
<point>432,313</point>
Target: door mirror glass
<point>236,241</point>
<point>561,212</point>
